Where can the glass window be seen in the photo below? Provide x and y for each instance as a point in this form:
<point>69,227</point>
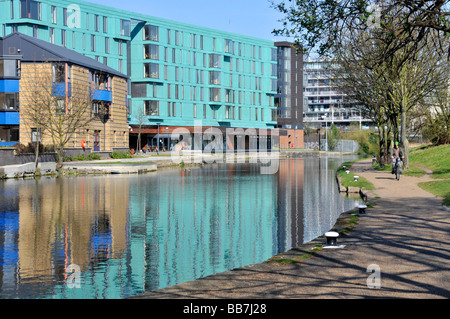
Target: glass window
<point>151,33</point>
<point>151,107</point>
<point>106,45</point>
<point>151,70</point>
<point>125,27</point>
<point>214,94</point>
<point>214,60</point>
<point>229,96</point>
<point>151,51</point>
<point>96,23</point>
<point>105,24</point>
<point>30,9</point>
<point>214,77</point>
<point>54,16</point>
<point>9,101</point>
<point>9,68</point>
<point>92,43</point>
<point>229,46</point>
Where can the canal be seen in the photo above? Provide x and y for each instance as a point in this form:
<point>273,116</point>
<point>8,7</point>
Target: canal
<point>115,236</point>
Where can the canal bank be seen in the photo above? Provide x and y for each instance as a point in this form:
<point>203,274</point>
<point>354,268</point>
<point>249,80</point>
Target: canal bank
<point>398,249</point>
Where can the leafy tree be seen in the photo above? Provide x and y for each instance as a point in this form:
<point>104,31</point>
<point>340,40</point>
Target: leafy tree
<point>322,24</point>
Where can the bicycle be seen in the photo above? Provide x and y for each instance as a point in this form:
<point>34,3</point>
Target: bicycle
<point>397,168</point>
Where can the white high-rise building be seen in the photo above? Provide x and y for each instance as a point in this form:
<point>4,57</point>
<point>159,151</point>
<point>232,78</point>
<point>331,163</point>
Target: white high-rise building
<point>323,103</point>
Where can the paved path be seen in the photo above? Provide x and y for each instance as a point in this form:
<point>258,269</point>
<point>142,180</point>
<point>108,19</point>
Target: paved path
<point>406,236</point>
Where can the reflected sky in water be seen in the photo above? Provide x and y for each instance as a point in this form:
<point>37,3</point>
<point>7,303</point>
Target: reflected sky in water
<point>128,234</point>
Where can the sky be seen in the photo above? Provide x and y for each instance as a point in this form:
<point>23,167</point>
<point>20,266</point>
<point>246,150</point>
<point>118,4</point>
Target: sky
<point>254,18</point>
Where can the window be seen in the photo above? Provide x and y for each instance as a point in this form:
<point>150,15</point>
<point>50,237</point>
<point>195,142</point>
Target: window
<point>229,96</point>
<point>229,46</point>
<point>151,33</point>
<point>214,77</point>
<point>35,135</point>
<point>9,68</point>
<point>58,73</point>
<point>92,43</point>
<point>151,51</point>
<point>54,16</point>
<point>214,60</point>
<point>60,106</point>
<point>151,70</point>
<point>125,27</point>
<point>120,47</point>
<point>228,112</point>
<point>63,38</point>
<point>95,109</point>
<point>96,23</point>
<point>106,45</point>
<point>105,24</point>
<point>214,94</point>
<point>138,89</point>
<point>30,9</point>
<point>9,101</point>
<point>52,35</point>
<point>195,110</point>
<point>151,107</point>
<point>65,16</point>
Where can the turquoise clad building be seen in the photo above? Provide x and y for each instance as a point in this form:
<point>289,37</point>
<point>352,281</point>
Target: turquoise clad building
<point>180,75</point>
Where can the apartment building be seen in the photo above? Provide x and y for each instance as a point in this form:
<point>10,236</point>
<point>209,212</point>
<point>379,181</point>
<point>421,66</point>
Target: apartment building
<point>289,97</point>
<point>40,78</point>
<point>180,75</point>
<point>324,103</point>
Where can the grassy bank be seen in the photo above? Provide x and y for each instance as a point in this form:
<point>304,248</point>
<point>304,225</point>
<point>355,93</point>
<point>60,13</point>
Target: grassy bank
<point>347,179</point>
<point>437,160</point>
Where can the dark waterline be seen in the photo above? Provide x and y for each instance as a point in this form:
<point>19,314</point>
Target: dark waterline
<point>129,234</point>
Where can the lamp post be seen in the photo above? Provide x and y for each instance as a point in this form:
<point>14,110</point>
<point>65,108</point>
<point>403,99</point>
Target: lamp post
<point>157,139</point>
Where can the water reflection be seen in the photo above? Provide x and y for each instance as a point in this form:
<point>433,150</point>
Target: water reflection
<point>133,233</point>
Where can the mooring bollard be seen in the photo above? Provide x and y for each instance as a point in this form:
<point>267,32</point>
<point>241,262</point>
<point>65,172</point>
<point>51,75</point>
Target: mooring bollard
<point>355,178</point>
<point>332,238</point>
<point>362,209</point>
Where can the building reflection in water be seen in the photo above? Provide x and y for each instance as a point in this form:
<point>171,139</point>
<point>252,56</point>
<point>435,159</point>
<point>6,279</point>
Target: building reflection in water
<point>133,233</point>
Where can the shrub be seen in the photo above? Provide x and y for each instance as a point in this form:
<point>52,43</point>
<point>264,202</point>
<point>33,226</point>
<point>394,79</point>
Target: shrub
<point>119,154</point>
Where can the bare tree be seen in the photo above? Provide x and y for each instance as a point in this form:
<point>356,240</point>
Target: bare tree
<point>388,90</point>
<point>56,109</point>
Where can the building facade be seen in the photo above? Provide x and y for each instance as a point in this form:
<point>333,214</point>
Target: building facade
<point>180,75</point>
<point>289,97</point>
<point>62,87</point>
<point>324,103</point>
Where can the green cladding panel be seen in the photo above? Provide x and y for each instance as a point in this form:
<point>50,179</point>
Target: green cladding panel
<point>179,73</point>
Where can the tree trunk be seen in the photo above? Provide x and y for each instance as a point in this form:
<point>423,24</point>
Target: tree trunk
<point>404,140</point>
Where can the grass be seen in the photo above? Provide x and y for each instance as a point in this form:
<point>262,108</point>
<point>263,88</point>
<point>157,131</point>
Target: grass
<point>347,180</point>
<point>435,158</point>
<point>438,188</point>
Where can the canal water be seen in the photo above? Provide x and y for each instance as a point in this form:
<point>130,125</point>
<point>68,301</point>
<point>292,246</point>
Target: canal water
<point>116,236</point>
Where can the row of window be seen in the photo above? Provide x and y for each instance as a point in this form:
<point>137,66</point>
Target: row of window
<point>151,107</point>
<point>151,33</point>
<point>194,93</point>
<point>151,52</point>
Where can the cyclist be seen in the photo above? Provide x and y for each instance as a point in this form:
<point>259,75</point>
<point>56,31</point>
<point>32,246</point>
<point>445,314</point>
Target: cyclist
<point>396,153</point>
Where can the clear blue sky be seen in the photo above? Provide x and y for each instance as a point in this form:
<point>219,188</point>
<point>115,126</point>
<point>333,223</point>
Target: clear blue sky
<point>254,18</point>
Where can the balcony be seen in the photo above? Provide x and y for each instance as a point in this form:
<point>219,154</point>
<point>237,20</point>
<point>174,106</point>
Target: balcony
<point>9,85</point>
<point>9,118</point>
<point>59,89</point>
<point>102,95</point>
